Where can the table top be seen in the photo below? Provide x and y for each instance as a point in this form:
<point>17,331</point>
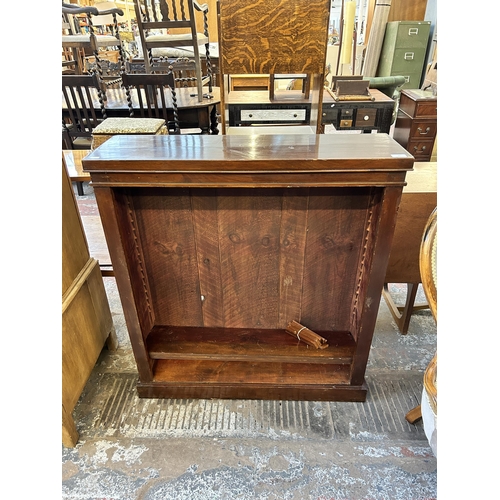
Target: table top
<point>73,160</point>
<point>117,98</point>
<point>295,96</point>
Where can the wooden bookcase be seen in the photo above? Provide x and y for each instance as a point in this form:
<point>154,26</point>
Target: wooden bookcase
<point>218,242</point>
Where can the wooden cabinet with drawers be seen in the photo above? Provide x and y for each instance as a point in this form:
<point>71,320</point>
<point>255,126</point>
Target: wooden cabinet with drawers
<point>416,124</point>
<point>403,51</point>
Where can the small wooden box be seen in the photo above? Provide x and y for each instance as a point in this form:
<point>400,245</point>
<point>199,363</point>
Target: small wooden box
<point>127,126</point>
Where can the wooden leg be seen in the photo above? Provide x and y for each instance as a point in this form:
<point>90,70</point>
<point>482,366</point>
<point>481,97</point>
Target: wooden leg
<point>79,188</point>
<point>402,314</point>
<point>69,433</point>
<point>413,415</point>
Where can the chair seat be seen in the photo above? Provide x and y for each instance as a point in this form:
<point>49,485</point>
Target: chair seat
<point>202,39</point>
<point>127,126</point>
<point>78,40</point>
<point>176,51</point>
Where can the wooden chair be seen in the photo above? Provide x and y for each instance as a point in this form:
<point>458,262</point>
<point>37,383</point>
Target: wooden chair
<point>89,42</point>
<point>183,38</point>
<point>428,266</point>
<point>154,97</point>
<point>80,114</point>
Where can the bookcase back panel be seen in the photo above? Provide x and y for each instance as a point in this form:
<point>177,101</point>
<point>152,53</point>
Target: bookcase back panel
<point>252,258</point>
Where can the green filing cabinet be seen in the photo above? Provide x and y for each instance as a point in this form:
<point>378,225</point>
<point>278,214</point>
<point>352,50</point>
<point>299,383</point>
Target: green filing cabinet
<point>403,51</point>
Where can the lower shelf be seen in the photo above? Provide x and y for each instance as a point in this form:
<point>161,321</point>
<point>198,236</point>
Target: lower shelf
<point>240,363</point>
<point>206,380</point>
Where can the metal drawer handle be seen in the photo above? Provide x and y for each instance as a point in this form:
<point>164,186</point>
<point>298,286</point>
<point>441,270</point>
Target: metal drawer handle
<point>409,56</point>
<point>427,130</point>
<point>417,151</point>
<point>413,31</point>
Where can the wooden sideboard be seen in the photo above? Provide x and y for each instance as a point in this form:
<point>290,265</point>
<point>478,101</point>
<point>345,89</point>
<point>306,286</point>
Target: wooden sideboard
<point>219,242</point>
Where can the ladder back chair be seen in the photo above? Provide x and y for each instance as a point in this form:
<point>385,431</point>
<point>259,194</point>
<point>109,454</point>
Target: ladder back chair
<point>168,29</point>
<point>78,41</point>
<point>151,95</point>
<point>81,114</point>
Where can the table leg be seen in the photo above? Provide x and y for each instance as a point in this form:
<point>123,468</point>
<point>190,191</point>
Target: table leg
<point>402,314</point>
<point>214,124</point>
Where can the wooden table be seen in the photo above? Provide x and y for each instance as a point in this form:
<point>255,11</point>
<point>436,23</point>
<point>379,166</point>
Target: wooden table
<point>91,223</point>
<point>219,242</point>
<point>417,203</point>
<point>192,114</point>
<point>73,159</point>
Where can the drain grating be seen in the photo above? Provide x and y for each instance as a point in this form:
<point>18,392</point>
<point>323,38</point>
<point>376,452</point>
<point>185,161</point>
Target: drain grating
<point>110,407</point>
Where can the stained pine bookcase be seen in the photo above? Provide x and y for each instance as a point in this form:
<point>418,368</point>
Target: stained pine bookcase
<point>218,242</point>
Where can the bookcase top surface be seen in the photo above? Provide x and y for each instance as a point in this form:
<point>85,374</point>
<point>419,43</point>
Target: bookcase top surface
<point>220,153</point>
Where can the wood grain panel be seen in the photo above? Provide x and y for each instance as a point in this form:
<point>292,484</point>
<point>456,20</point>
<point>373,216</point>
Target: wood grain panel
<point>334,244</point>
<point>205,220</point>
<point>165,223</point>
<point>273,36</point>
<point>292,247</point>
<point>249,243</point>
<point>207,372</point>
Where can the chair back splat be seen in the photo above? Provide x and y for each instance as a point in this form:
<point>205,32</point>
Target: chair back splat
<point>89,42</point>
<point>80,94</point>
<point>168,29</point>
<point>152,96</point>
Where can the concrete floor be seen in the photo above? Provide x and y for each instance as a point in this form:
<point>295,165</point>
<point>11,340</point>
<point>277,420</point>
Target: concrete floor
<point>149,449</point>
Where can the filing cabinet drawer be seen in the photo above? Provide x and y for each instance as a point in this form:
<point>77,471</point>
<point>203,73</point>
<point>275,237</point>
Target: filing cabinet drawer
<point>404,60</point>
<point>410,34</point>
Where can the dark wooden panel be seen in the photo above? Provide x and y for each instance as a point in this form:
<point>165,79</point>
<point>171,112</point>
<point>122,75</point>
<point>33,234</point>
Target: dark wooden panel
<point>205,221</point>
<point>335,237</point>
<point>293,232</point>
<point>164,220</point>
<point>249,246</point>
<point>289,392</point>
<point>206,372</point>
